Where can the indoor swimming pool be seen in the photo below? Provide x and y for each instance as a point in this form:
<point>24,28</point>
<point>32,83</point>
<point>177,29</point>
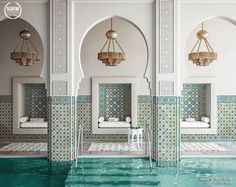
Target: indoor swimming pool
<point>107,172</point>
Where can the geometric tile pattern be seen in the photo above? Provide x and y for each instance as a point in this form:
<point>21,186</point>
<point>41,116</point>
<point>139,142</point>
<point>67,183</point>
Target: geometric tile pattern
<point>6,120</point>
<point>115,101</point>
<point>167,131</point>
<point>193,101</point>
<point>35,100</point>
<point>84,117</point>
<point>226,122</point>
<point>144,112</point>
<point>61,128</point>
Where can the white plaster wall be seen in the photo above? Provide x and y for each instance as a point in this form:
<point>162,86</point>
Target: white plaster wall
<point>132,42</point>
<point>87,14</point>
<point>35,13</point>
<point>9,38</point>
<point>221,37</point>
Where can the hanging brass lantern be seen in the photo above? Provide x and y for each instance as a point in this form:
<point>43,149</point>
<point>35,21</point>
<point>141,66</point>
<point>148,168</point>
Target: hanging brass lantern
<point>111,58</point>
<point>25,56</point>
<point>202,58</point>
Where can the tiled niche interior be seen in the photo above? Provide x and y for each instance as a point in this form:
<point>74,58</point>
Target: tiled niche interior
<point>115,101</point>
<point>193,101</point>
<point>84,116</point>
<point>36,106</point>
<point>226,122</point>
<point>35,100</point>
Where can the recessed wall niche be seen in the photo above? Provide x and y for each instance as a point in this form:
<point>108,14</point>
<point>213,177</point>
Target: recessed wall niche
<point>116,98</point>
<point>133,66</point>
<point>199,100</point>
<point>9,37</point>
<point>29,100</point>
<point>115,101</point>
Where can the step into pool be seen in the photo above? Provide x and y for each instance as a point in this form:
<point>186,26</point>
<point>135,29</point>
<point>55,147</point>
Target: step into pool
<point>107,172</point>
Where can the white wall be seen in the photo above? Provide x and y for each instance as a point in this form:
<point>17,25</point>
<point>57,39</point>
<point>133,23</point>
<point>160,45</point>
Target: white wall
<point>221,37</point>
<point>36,13</point>
<point>132,42</point>
<point>222,40</point>
<point>9,38</point>
<point>85,15</point>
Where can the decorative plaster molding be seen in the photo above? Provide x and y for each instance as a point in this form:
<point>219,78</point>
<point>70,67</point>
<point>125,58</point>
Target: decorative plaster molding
<point>60,37</point>
<point>166,88</point>
<point>59,88</point>
<point>27,1</point>
<point>115,1</point>
<point>166,36</point>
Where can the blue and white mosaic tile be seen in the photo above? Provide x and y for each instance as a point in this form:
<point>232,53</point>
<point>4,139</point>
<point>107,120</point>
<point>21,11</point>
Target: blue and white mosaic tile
<point>226,122</point>
<point>61,128</point>
<point>115,101</point>
<point>85,118</point>
<point>35,100</point>
<point>167,131</point>
<point>193,101</point>
<point>6,120</point>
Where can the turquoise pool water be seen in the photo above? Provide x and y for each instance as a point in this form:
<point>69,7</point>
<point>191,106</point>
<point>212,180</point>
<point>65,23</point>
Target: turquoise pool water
<point>120,172</point>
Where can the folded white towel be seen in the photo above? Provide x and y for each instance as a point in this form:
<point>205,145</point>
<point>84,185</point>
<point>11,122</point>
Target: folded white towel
<point>100,119</point>
<point>113,119</point>
<point>37,119</point>
<point>24,119</point>
<point>205,119</point>
<point>190,119</point>
<point>128,119</point>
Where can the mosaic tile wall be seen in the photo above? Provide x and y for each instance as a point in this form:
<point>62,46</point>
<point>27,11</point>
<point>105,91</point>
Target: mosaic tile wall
<point>226,119</point>
<point>6,120</point>
<point>193,101</point>
<point>85,118</point>
<point>35,100</point>
<point>166,142</point>
<point>61,128</point>
<point>115,101</point>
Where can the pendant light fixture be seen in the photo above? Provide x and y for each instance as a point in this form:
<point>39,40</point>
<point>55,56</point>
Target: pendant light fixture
<point>25,53</point>
<point>111,57</point>
<point>201,58</point>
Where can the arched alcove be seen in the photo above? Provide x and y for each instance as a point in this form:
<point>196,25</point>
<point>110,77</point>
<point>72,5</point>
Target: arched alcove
<point>9,37</point>
<point>221,31</point>
<point>132,41</point>
<point>202,84</point>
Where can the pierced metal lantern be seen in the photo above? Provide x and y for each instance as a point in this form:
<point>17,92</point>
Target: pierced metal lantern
<point>201,58</point>
<point>111,57</point>
<point>25,53</point>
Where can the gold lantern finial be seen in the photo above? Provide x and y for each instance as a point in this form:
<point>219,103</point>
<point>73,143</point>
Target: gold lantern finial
<point>202,58</point>
<point>25,56</point>
<point>111,58</point>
